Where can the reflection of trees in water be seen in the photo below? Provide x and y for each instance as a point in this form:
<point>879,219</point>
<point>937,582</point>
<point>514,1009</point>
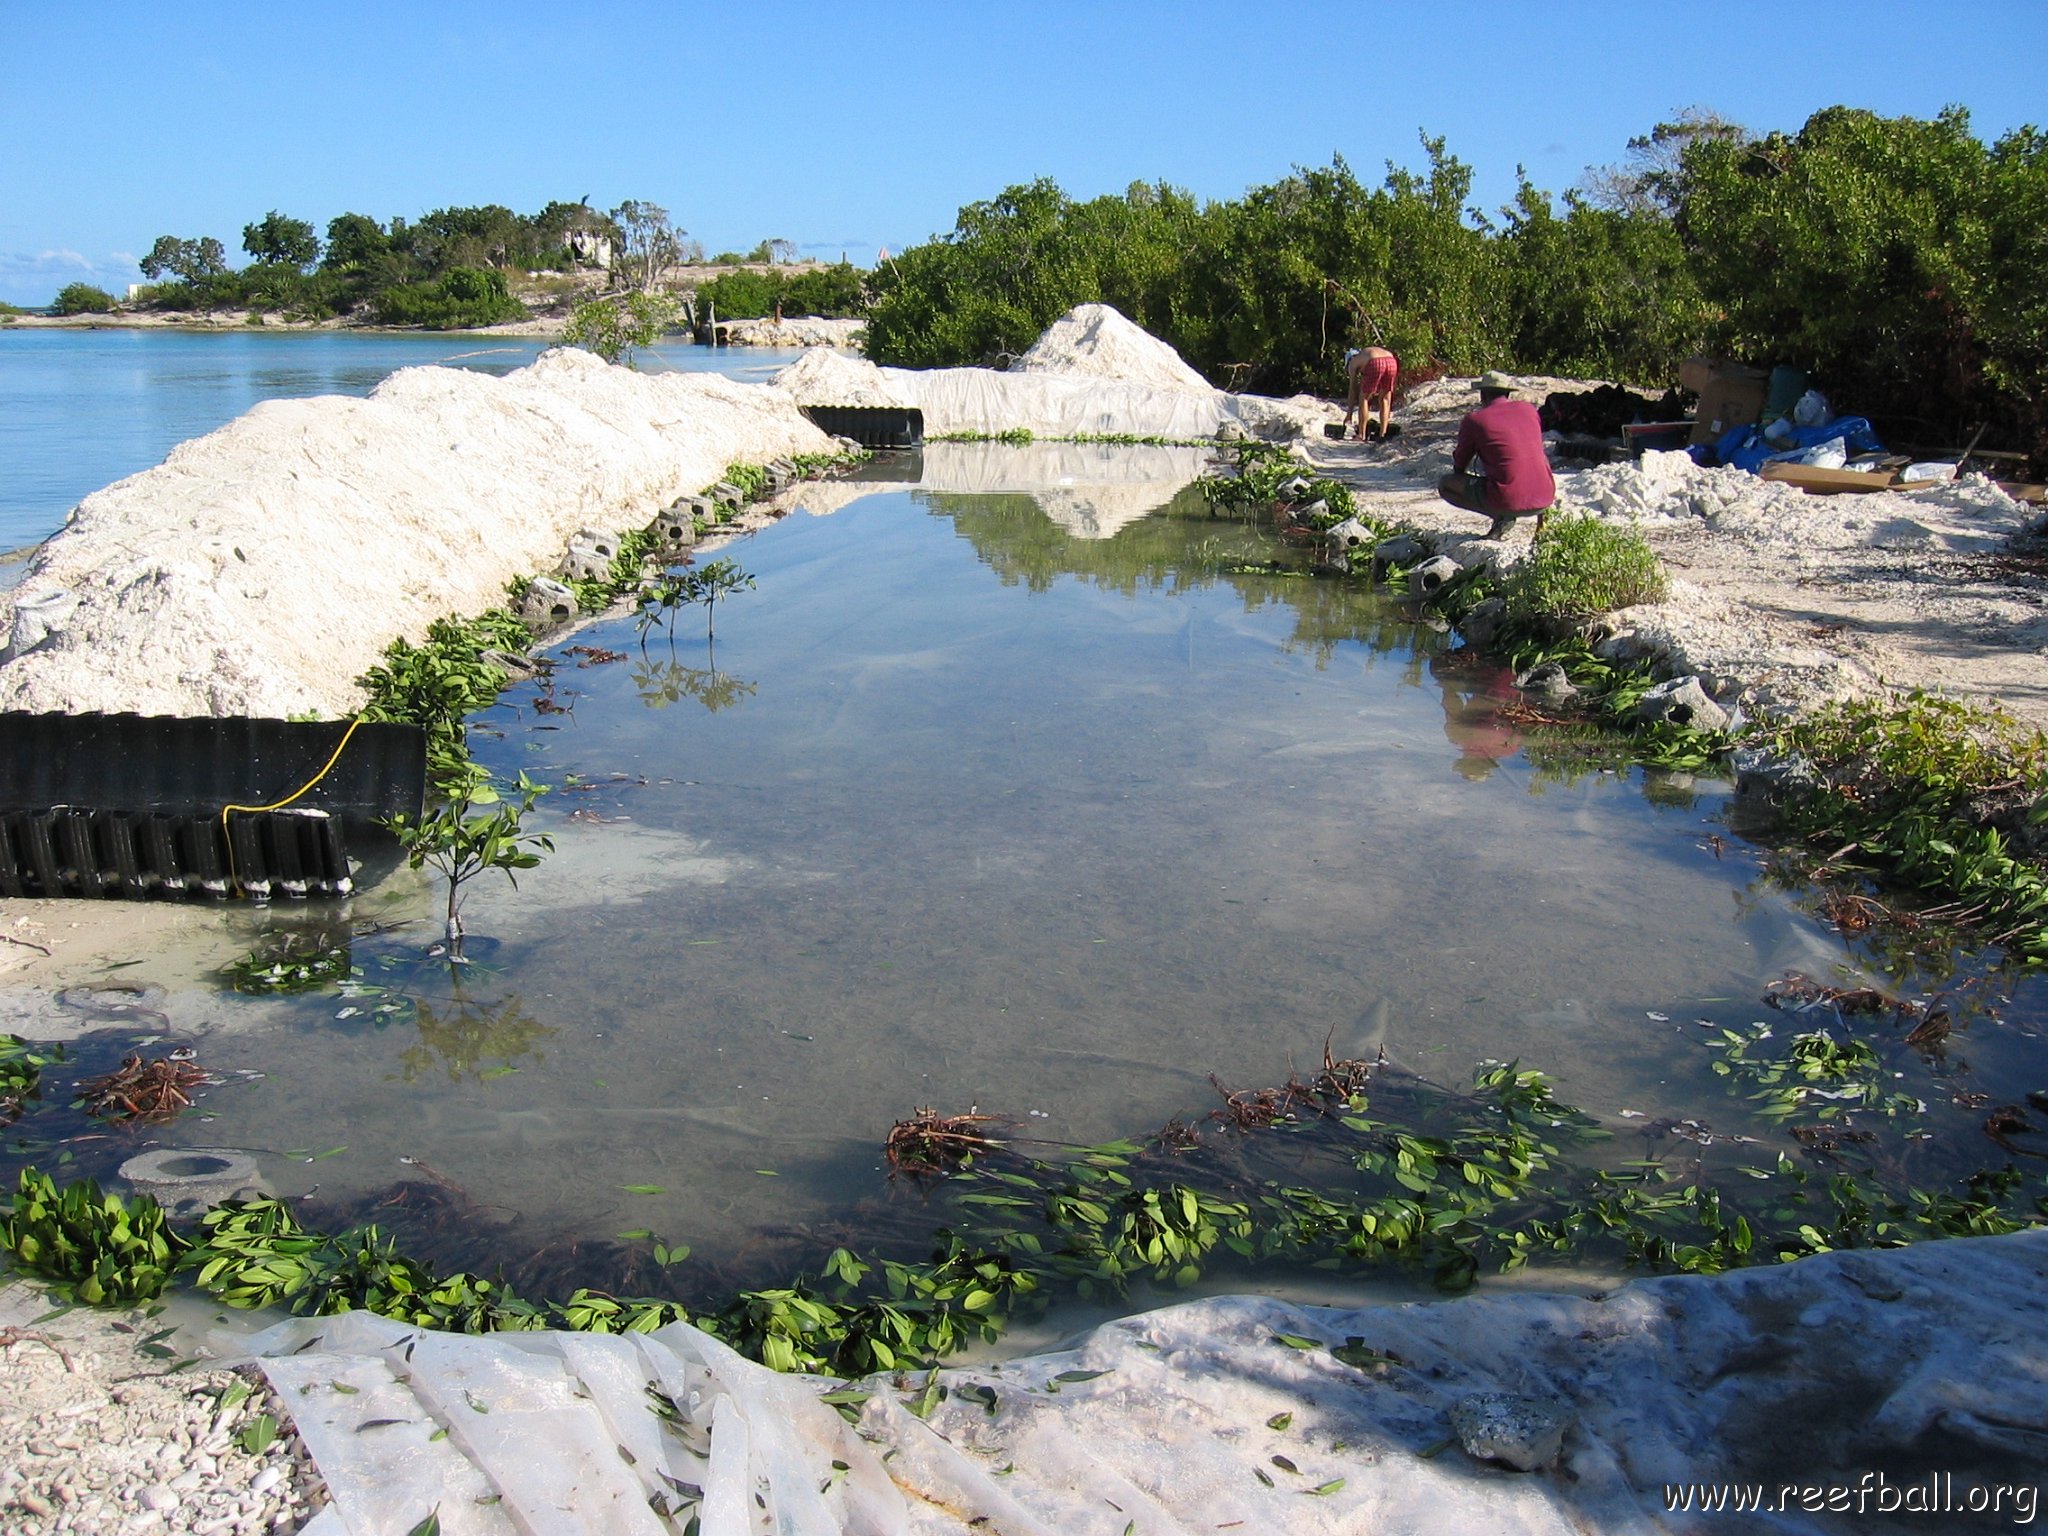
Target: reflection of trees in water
<point>465,1032</point>
<point>1017,540</point>
<point>1184,546</point>
<point>662,683</point>
<point>1329,612</point>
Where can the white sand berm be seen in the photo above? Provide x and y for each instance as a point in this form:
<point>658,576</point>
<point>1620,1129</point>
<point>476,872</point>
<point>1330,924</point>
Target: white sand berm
<point>263,567</point>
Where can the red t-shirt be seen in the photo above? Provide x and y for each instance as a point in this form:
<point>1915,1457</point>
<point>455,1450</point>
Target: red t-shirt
<point>1506,436</point>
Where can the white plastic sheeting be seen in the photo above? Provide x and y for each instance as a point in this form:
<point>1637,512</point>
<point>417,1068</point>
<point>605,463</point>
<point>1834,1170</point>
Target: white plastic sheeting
<point>1915,1375</point>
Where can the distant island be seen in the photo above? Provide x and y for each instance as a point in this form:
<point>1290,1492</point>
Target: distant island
<point>464,269</point>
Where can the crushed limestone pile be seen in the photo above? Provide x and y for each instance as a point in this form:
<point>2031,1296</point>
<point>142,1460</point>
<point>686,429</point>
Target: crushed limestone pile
<point>1969,516</point>
<point>1093,373</point>
<point>1095,341</point>
<point>262,568</point>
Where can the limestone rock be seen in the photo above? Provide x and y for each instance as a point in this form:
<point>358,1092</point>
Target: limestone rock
<point>1525,1433</point>
<point>1548,680</point>
<point>1401,549</point>
<point>1482,625</point>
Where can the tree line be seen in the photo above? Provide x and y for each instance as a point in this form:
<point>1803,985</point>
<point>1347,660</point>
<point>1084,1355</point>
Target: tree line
<point>451,267</point>
<point>1902,262</point>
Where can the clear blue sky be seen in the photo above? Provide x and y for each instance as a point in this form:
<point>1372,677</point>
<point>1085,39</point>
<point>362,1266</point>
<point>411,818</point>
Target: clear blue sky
<point>849,126</point>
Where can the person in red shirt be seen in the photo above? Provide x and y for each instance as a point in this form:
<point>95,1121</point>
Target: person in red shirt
<point>1506,437</point>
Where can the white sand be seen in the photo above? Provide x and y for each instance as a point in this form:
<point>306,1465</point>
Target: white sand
<point>1780,601</point>
<point>262,568</point>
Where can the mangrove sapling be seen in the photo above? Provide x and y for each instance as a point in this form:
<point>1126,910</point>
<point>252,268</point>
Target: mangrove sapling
<point>1582,567</point>
<point>614,326</point>
<point>473,829</point>
<point>692,584</point>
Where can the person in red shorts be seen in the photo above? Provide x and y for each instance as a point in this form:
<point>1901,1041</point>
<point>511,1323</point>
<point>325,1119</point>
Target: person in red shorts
<point>1373,372</point>
<point>1506,437</point>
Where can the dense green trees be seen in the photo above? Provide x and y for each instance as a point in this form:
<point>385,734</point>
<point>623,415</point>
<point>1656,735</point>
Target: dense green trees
<point>83,299</point>
<point>447,268</point>
<point>1897,259</point>
<point>1903,263</point>
<point>189,261</point>
<point>281,242</point>
<point>746,294</point>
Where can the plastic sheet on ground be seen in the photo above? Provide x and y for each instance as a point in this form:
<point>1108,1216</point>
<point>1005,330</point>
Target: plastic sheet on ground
<point>1860,1371</point>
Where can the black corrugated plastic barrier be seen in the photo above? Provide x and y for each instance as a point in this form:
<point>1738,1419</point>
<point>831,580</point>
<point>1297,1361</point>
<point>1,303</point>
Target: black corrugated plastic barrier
<point>872,426</point>
<point>130,805</point>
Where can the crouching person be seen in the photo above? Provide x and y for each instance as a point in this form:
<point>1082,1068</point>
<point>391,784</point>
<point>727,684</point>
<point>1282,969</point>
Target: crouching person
<point>1506,437</point>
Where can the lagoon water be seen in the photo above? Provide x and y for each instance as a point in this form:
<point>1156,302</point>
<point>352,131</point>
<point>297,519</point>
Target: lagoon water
<point>80,409</point>
<point>964,810</point>
<point>1007,789</point>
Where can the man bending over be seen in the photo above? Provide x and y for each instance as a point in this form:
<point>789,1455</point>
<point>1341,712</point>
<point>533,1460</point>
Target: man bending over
<point>1506,437</point>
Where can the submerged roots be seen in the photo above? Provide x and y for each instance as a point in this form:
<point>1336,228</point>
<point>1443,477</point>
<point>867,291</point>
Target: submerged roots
<point>142,1093</point>
<point>929,1142</point>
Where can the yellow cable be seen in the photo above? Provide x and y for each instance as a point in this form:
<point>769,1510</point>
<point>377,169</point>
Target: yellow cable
<point>277,805</point>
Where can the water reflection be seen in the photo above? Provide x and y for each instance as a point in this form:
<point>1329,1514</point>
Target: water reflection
<point>475,1037</point>
<point>662,683</point>
<point>1474,693</point>
<point>1021,820</point>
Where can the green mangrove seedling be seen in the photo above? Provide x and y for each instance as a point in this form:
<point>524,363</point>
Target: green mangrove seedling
<point>614,326</point>
<point>692,584</point>
<point>473,829</point>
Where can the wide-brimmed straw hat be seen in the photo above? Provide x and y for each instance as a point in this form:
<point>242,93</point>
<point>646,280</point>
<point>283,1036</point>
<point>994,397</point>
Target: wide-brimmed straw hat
<point>1497,380</point>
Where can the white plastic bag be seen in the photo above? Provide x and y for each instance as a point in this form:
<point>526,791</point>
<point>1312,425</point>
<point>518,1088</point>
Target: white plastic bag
<point>1832,454</point>
<point>1812,409</point>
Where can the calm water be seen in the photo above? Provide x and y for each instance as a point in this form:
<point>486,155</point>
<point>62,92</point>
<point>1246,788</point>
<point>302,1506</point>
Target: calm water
<point>997,792</point>
<point>82,409</point>
<point>967,811</point>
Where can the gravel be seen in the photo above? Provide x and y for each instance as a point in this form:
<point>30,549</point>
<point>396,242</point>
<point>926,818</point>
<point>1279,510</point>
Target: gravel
<point>105,1427</point>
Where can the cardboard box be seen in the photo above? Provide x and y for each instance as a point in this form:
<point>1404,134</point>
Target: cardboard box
<point>1731,395</point>
<point>1815,481</point>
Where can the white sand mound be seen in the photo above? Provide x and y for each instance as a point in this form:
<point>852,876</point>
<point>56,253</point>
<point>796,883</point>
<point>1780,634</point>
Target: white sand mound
<point>1968,517</point>
<point>262,568</point>
<point>1095,341</point>
<point>1091,374</point>
<point>825,376</point>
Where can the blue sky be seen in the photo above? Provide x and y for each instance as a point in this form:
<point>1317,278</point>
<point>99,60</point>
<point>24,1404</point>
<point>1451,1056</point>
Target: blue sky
<point>850,126</point>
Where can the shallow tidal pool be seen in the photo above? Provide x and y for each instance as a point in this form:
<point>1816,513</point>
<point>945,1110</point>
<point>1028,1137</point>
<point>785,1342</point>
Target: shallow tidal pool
<point>1003,791</point>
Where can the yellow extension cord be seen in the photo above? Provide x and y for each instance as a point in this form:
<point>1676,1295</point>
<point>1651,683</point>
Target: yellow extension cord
<point>278,805</point>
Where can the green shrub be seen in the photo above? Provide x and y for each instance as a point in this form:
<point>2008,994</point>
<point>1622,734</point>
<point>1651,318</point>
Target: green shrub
<point>745,295</point>
<point>84,299</point>
<point>1583,567</point>
<point>613,327</point>
<point>460,299</point>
